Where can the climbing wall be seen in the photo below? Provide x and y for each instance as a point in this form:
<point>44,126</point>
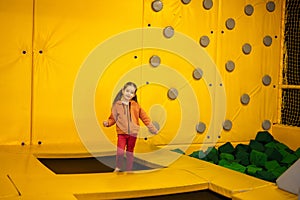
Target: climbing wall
<point>207,71</point>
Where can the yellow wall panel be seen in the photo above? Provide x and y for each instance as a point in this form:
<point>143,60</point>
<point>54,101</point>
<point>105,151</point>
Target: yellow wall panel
<point>15,71</point>
<point>154,83</point>
<point>225,44</point>
<point>191,19</point>
<point>65,33</point>
<point>250,68</point>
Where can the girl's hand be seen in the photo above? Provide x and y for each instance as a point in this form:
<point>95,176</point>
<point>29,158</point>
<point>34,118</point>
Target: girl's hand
<point>105,123</point>
<point>153,132</point>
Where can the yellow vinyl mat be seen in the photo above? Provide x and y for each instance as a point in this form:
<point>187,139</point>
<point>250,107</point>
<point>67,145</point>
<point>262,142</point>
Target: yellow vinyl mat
<point>23,176</point>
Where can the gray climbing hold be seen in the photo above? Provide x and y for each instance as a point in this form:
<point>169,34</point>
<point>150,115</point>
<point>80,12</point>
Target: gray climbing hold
<point>230,65</point>
<point>227,125</point>
<point>207,4</point>
<point>154,61</point>
<point>185,1</point>
<point>245,99</point>
<point>270,6</point>
<point>248,10</point>
<point>230,24</point>
<point>172,93</point>
<point>157,5</point>
<point>200,127</point>
<point>197,74</point>
<point>168,32</point>
<point>266,125</point>
<point>266,80</point>
<point>204,41</point>
<point>246,48</point>
<point>267,41</point>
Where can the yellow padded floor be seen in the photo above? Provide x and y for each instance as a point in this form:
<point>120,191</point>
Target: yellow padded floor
<point>268,192</point>
<point>22,176</point>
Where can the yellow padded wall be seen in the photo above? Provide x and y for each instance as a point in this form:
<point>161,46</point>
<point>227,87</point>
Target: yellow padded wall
<point>15,71</point>
<point>153,86</point>
<point>65,33</point>
<point>257,23</point>
<point>193,21</point>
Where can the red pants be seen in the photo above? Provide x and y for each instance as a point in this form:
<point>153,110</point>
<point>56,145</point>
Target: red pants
<point>125,141</point>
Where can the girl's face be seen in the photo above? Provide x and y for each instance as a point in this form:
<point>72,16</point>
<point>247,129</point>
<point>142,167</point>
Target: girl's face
<point>128,92</point>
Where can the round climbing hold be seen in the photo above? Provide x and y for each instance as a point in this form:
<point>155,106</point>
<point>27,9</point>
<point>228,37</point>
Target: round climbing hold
<point>227,125</point>
<point>204,41</point>
<point>270,6</point>
<point>266,80</point>
<point>267,41</point>
<point>154,61</point>
<point>207,4</point>
<point>185,1</point>
<point>157,5</point>
<point>248,10</point>
<point>230,24</point>
<point>245,99</point>
<point>172,93</point>
<point>197,74</point>
<point>200,127</point>
<point>168,32</point>
<point>266,125</point>
<point>246,48</point>
<point>230,65</point>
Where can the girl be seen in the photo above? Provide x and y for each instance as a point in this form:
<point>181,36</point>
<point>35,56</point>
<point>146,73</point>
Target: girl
<point>126,113</point>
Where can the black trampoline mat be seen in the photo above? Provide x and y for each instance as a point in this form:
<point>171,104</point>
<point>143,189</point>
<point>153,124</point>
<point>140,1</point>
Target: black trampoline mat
<point>196,195</point>
<point>102,164</point>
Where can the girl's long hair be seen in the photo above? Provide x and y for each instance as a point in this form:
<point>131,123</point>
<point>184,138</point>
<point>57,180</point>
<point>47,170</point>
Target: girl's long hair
<point>119,95</point>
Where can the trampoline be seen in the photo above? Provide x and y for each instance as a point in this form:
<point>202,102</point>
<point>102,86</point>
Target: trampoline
<point>86,165</point>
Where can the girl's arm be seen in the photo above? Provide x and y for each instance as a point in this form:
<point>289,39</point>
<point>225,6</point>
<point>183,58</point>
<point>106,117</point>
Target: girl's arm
<point>112,118</point>
<point>147,121</point>
<point>111,121</point>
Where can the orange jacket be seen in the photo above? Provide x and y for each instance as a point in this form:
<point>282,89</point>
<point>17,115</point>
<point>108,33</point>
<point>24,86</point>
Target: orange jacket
<point>126,118</point>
